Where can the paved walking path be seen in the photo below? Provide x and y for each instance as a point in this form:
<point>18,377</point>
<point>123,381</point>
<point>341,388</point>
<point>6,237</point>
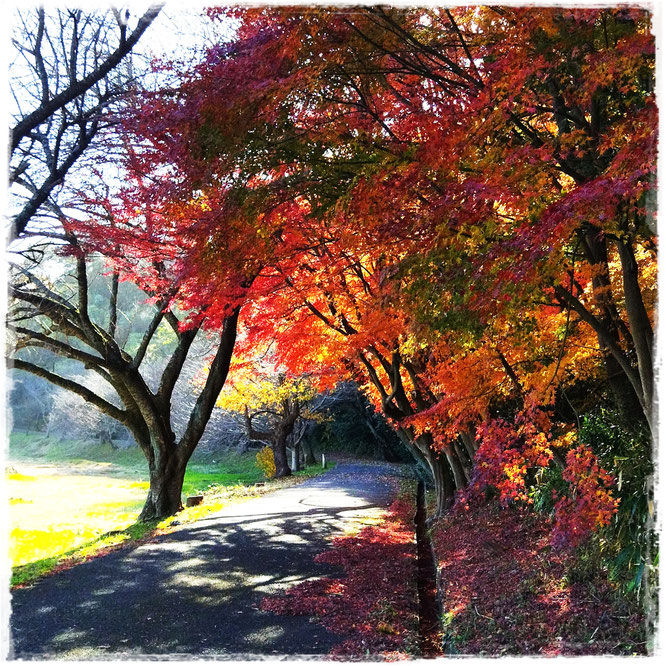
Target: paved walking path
<point>195,592</point>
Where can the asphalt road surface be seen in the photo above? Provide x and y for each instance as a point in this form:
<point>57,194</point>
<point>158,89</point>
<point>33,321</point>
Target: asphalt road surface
<point>195,592</point>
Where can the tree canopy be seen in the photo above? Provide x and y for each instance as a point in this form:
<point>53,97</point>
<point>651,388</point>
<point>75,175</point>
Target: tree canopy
<point>453,208</point>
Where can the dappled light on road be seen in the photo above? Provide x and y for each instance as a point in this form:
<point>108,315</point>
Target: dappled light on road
<point>197,589</point>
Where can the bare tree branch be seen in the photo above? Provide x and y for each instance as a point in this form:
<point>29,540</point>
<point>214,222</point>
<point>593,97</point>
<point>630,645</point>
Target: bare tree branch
<point>38,116</point>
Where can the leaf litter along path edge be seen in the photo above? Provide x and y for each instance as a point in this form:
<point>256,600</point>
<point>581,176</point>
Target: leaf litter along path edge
<point>196,591</point>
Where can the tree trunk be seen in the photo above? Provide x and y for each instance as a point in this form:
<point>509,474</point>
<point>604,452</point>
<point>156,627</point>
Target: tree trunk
<point>439,470</point>
<point>623,392</point>
<point>296,457</point>
<point>444,487</point>
<point>309,454</point>
<point>639,323</point>
<point>166,486</point>
<point>468,439</point>
<point>456,467</point>
<point>464,462</point>
<point>626,396</point>
<point>280,454</point>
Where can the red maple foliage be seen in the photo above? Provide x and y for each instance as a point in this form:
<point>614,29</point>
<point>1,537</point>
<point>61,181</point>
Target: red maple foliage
<point>450,207</point>
<point>589,505</point>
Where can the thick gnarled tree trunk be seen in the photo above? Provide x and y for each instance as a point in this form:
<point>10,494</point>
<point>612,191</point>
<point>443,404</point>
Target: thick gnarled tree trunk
<point>146,413</point>
<point>444,486</point>
<point>279,447</point>
<point>165,491</point>
<point>627,350</point>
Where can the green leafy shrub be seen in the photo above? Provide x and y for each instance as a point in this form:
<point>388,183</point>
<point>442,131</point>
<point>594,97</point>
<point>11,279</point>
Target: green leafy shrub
<point>629,543</point>
<point>627,548</point>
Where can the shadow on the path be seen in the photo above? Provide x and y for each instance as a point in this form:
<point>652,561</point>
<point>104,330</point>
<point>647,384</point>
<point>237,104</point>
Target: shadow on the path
<point>193,591</point>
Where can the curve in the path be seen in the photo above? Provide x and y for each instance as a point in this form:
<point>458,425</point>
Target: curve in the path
<point>196,590</point>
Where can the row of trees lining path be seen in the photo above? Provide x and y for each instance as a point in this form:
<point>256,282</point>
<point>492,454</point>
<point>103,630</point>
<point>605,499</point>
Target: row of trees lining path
<point>452,208</point>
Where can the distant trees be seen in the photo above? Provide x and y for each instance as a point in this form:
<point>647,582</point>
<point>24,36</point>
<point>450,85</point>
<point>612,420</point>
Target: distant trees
<point>29,402</point>
<point>274,407</point>
<point>354,425</point>
<point>70,416</point>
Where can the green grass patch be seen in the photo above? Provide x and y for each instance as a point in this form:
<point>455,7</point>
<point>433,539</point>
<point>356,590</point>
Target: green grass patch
<point>224,470</point>
<point>30,572</point>
<point>313,470</point>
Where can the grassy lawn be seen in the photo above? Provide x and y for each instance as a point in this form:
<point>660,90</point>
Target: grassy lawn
<point>69,501</point>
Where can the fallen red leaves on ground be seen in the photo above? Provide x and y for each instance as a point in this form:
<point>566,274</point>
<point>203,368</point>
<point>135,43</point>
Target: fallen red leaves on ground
<point>374,605</point>
<point>507,591</point>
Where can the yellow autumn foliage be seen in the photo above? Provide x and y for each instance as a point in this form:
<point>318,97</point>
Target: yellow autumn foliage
<point>266,462</point>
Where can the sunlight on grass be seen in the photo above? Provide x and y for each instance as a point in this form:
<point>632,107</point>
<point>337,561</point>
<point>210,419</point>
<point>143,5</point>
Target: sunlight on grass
<point>192,513</point>
<point>53,513</point>
<point>68,502</point>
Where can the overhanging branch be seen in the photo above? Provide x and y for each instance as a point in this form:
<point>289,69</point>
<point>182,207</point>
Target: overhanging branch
<point>88,395</point>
